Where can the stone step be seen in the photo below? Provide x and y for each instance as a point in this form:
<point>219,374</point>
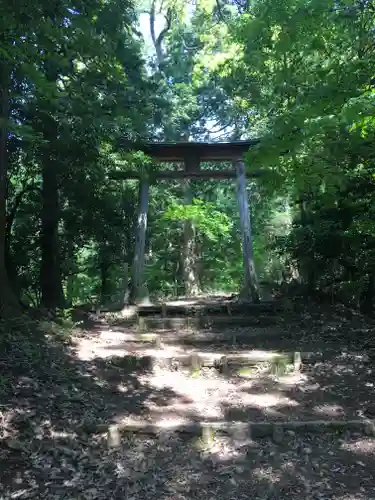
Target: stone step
<point>206,430</point>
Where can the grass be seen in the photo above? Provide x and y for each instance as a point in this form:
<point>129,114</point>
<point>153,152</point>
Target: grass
<point>195,373</point>
<point>246,371</point>
<point>281,366</point>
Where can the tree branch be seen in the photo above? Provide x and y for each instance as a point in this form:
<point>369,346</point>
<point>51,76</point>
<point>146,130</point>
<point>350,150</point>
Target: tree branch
<point>152,22</point>
<point>158,40</point>
<point>220,12</point>
<point>227,125</point>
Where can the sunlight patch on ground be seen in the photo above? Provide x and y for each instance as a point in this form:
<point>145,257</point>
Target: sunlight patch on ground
<point>199,395</point>
<point>62,434</point>
<point>360,446</point>
<point>191,302</point>
<point>47,426</point>
<point>128,312</point>
<point>267,473</point>
<point>122,388</point>
<point>329,410</point>
<point>292,379</point>
<point>113,343</point>
<point>212,397</point>
<point>357,496</point>
<point>223,449</point>
<point>187,410</point>
<point>307,387</point>
<point>288,467</point>
<point>267,400</point>
<point>171,421</point>
<point>346,356</point>
<point>112,335</point>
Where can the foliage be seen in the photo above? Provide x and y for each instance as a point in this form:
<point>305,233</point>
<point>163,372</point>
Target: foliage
<point>298,75</point>
<point>304,71</point>
<point>212,223</point>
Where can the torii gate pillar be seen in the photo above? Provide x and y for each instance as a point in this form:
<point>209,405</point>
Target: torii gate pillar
<point>250,288</point>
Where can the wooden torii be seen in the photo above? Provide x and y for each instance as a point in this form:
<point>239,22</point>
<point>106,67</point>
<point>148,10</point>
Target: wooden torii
<point>191,155</point>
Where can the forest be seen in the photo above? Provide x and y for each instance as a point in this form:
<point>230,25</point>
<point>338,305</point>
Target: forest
<point>85,84</point>
<point>80,83</point>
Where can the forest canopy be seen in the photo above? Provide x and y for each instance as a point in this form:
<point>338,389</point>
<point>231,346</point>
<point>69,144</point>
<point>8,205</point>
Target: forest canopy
<point>78,80</point>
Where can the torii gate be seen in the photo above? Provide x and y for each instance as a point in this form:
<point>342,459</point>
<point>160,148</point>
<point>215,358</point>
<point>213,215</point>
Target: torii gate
<point>190,155</point>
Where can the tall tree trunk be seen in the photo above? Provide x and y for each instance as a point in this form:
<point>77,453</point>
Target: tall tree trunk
<point>139,291</point>
<point>308,265</point>
<point>10,266</point>
<point>50,272</point>
<point>70,281</point>
<point>189,265</point>
<point>8,302</point>
<point>52,295</point>
<point>367,295</point>
<point>104,282</point>
<point>124,297</point>
<point>71,277</point>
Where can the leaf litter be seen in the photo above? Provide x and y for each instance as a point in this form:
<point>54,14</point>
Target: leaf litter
<point>43,456</point>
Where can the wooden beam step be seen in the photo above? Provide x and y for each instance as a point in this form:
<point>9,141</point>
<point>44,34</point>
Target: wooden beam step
<point>203,359</point>
<point>225,308</point>
<point>170,336</point>
<point>207,430</point>
<point>153,322</point>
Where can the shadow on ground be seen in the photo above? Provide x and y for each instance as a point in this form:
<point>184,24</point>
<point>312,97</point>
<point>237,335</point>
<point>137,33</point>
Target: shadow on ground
<point>42,456</point>
<point>337,380</point>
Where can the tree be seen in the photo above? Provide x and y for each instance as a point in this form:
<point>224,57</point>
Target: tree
<point>74,89</point>
<point>305,73</point>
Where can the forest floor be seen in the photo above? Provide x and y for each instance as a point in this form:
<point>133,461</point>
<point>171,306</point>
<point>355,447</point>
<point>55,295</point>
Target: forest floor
<point>103,376</point>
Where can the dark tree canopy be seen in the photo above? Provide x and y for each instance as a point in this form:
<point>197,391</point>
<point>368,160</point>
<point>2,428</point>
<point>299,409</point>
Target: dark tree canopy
<point>80,82</point>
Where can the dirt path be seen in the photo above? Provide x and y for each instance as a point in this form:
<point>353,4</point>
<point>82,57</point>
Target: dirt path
<point>44,456</point>
<point>335,382</point>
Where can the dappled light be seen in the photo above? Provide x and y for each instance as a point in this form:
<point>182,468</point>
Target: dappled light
<point>329,410</point>
<point>127,419</point>
<point>187,250</point>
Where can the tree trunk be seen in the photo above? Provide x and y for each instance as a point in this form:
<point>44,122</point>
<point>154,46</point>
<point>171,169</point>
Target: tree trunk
<point>124,300</point>
<point>250,289</point>
<point>189,265</point>
<point>367,295</point>
<point>10,266</point>
<point>71,276</point>
<point>307,264</point>
<point>139,291</point>
<point>9,305</point>
<point>104,285</point>
<point>50,273</point>
<point>70,289</point>
<point>158,40</point>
